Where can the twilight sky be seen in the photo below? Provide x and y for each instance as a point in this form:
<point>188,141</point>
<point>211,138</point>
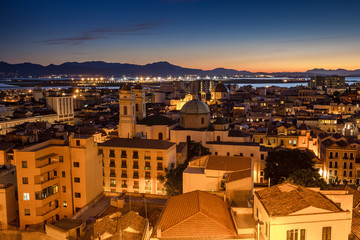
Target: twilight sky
<point>254,35</point>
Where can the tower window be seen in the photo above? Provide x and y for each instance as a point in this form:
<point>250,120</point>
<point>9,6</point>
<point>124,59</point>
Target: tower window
<point>125,110</point>
<point>137,107</point>
<point>160,136</point>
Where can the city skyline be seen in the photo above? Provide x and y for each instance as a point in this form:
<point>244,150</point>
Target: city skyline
<point>254,36</point>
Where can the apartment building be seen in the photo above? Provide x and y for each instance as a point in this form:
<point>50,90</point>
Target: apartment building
<point>338,158</point>
<point>63,106</point>
<point>291,212</point>
<point>56,178</point>
<point>134,165</point>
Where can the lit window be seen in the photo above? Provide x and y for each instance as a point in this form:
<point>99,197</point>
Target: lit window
<point>26,196</point>
<point>64,204</point>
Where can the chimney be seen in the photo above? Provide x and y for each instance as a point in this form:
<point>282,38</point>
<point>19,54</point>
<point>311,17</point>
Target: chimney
<point>158,232</point>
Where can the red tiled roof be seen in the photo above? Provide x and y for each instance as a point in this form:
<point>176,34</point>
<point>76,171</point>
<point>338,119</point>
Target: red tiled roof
<point>195,214</point>
<point>284,199</point>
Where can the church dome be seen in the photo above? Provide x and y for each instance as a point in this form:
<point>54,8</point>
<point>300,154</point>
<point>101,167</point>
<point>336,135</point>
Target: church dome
<point>195,107</point>
<point>220,87</point>
<point>138,86</point>
<point>126,88</point>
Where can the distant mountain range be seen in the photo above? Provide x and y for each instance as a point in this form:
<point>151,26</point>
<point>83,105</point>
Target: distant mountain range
<point>152,69</point>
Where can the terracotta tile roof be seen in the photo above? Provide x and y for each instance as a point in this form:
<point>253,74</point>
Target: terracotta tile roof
<point>285,199</point>
<point>355,193</point>
<point>137,143</point>
<point>234,176</point>
<point>195,214</point>
<point>355,224</point>
<point>228,163</point>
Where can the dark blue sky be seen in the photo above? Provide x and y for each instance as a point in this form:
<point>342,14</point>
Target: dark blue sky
<point>252,35</point>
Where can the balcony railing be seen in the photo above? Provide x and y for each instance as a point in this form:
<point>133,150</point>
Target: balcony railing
<point>159,158</point>
<point>112,164</point>
<point>123,166</point>
<point>112,155</point>
<point>112,184</point>
<point>112,175</point>
<point>147,188</point>
<point>136,167</point>
<point>147,177</point>
<point>123,156</point>
<point>160,168</point>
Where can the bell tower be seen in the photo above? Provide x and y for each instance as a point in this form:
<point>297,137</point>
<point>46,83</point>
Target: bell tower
<point>126,112</point>
<point>140,107</point>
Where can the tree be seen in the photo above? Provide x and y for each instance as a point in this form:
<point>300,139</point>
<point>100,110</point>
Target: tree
<point>196,149</point>
<point>281,164</point>
<point>173,180</point>
<point>307,178</point>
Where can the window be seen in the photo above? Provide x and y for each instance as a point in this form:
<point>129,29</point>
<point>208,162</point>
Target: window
<point>251,155</point>
<point>123,153</point>
<point>76,164</point>
<point>77,142</point>
<point>351,165</point>
<point>290,141</point>
<point>293,234</point>
<point>262,156</point>
<point>345,156</point>
<point>159,166</point>
<point>227,154</point>
<point>77,195</point>
<point>61,159</point>
<point>202,120</point>
<point>55,173</point>
<point>216,153</point>
<point>101,151</point>
<point>345,165</point>
<point>136,185</point>
<point>112,173</point>
<point>137,107</point>
<point>112,153</point>
<point>123,164</point>
<point>125,110</point>
<point>351,156</point>
<point>76,179</point>
<point>136,175</point>
<point>326,233</point>
<point>344,173</point>
<point>63,174</point>
<point>24,164</point>
<point>350,174</point>
<point>218,138</point>
<point>336,154</point>
<point>160,136</point>
<point>124,185</point>
<point>331,155</point>
<point>330,164</point>
<point>64,204</point>
<point>124,174</point>
<point>27,212</point>
<point>26,196</point>
<point>112,183</point>
<point>25,180</point>
<point>135,155</point>
<point>147,166</point>
<point>147,175</point>
<point>336,165</point>
<point>136,165</point>
<point>64,189</point>
<point>112,163</point>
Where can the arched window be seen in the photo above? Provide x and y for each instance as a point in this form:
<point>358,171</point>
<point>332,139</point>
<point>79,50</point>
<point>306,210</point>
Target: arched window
<point>160,136</point>
<point>125,110</point>
<point>137,107</point>
<point>188,138</point>
<point>218,138</point>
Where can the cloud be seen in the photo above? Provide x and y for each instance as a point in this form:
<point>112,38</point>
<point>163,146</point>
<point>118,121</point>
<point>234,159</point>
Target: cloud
<point>101,33</point>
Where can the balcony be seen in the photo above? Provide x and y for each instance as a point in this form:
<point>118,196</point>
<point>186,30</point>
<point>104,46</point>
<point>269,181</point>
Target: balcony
<point>46,168</point>
<point>160,168</point>
<point>345,157</point>
<point>159,158</point>
<point>124,185</point>
<point>112,155</point>
<point>147,177</point>
<point>112,175</point>
<point>124,175</point>
<point>123,166</point>
<point>112,184</point>
<point>123,156</point>
<point>147,158</point>
<point>136,167</point>
<point>112,165</point>
<point>147,188</point>
<point>45,183</point>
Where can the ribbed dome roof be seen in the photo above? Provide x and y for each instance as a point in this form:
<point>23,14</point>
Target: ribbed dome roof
<point>138,86</point>
<point>126,88</point>
<point>220,87</point>
<point>195,107</point>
